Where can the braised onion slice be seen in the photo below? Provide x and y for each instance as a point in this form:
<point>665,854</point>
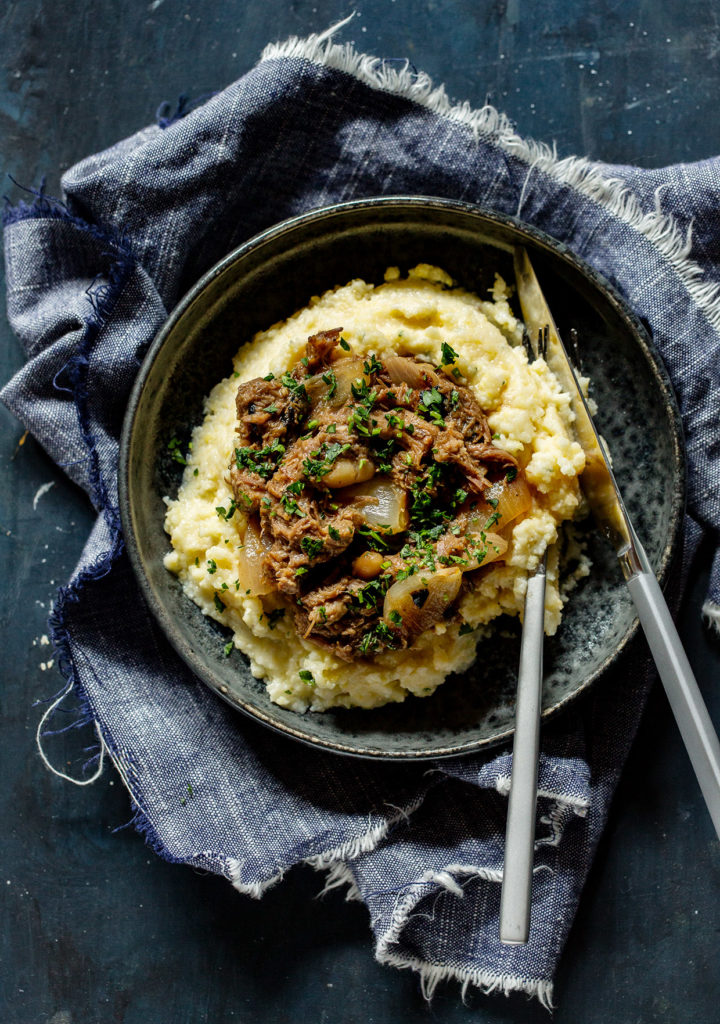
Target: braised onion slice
<point>382,502</point>
<point>513,499</point>
<point>419,601</point>
<point>333,385</point>
<point>406,371</point>
<point>346,472</point>
<point>484,547</point>
<point>250,563</point>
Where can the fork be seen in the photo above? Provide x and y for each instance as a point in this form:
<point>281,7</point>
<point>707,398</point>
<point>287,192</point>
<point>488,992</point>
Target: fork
<point>522,802</point>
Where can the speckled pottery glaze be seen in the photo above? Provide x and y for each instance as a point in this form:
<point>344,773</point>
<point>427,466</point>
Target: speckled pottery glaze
<point>273,275</point>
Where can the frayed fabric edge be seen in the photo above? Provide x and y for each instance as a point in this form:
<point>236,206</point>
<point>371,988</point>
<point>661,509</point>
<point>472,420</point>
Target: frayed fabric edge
<point>578,804</point>
<point>579,173</point>
<point>431,975</point>
<point>333,861</point>
<point>711,614</point>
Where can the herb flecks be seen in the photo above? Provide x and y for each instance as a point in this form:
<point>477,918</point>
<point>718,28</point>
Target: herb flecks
<point>319,464</point>
<point>448,355</point>
<point>312,547</point>
<point>227,513</point>
<point>175,453</point>
<point>263,461</point>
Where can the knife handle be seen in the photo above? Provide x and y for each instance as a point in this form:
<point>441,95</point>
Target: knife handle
<point>691,714</point>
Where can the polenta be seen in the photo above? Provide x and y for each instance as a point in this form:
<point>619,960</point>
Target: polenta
<point>414,397</point>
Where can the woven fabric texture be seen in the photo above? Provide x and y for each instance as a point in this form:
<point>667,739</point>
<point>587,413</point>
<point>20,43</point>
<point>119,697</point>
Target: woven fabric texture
<point>91,279</point>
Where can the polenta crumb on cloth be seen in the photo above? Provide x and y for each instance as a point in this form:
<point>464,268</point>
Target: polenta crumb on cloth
<point>90,283</point>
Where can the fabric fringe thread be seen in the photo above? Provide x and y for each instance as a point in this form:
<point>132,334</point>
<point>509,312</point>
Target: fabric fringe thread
<point>333,861</point>
<point>661,229</point>
<point>711,614</point>
<point>431,975</point>
<point>102,296</point>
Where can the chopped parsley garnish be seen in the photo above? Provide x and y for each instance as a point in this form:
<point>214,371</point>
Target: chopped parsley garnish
<point>362,393</point>
<point>344,344</point>
<point>431,405</point>
<point>218,603</point>
<point>321,462</point>
<point>312,547</point>
<point>295,387</point>
<point>228,513</point>
<point>263,461</point>
<point>372,365</point>
<point>492,521</point>
<point>334,534</point>
<point>379,634</point>
<point>370,594</point>
<point>374,540</point>
<point>448,354</point>
<point>307,676</point>
<point>426,511</point>
<point>288,501</point>
<point>176,454</point>
<point>330,379</point>
<point>510,473</point>
<point>227,649</point>
<point>212,565</point>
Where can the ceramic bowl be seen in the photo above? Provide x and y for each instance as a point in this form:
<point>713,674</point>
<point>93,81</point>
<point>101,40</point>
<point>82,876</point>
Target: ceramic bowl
<point>273,275</point>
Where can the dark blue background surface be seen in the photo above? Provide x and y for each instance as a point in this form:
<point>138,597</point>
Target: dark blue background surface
<point>94,927</point>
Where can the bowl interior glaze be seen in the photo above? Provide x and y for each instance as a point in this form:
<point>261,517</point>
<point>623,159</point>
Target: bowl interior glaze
<point>272,276</point>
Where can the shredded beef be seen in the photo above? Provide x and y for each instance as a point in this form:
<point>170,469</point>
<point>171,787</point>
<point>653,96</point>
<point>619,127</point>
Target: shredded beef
<point>313,448</point>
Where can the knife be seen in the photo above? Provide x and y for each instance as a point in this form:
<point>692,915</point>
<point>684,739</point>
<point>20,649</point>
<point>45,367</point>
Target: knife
<point>601,490</point>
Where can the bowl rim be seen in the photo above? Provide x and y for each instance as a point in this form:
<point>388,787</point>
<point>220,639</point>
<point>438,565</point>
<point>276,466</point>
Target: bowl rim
<point>316,216</point>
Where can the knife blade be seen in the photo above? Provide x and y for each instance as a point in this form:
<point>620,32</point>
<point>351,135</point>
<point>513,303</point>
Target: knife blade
<point>603,495</point>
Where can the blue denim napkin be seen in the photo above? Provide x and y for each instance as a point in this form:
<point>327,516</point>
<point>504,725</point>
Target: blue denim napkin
<point>91,279</point>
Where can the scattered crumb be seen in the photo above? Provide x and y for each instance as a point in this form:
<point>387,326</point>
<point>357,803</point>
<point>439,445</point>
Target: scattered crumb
<point>40,491</point>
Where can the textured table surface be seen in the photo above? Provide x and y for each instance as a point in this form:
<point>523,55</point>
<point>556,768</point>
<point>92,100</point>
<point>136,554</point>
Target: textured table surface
<point>95,928</point>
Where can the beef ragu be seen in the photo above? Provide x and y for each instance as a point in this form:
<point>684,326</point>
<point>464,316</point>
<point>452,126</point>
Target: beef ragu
<point>373,491</point>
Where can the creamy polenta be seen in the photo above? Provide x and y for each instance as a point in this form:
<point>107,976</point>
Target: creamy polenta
<point>530,419</point>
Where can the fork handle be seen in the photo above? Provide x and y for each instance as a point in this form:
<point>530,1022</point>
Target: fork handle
<point>683,693</point>
<point>520,830</point>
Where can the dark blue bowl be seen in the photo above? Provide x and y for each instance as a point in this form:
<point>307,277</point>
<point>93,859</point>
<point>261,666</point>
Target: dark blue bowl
<point>273,275</point>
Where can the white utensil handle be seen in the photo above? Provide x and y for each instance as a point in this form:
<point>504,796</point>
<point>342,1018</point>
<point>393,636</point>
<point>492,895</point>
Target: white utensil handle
<point>520,831</point>
<point>688,707</point>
